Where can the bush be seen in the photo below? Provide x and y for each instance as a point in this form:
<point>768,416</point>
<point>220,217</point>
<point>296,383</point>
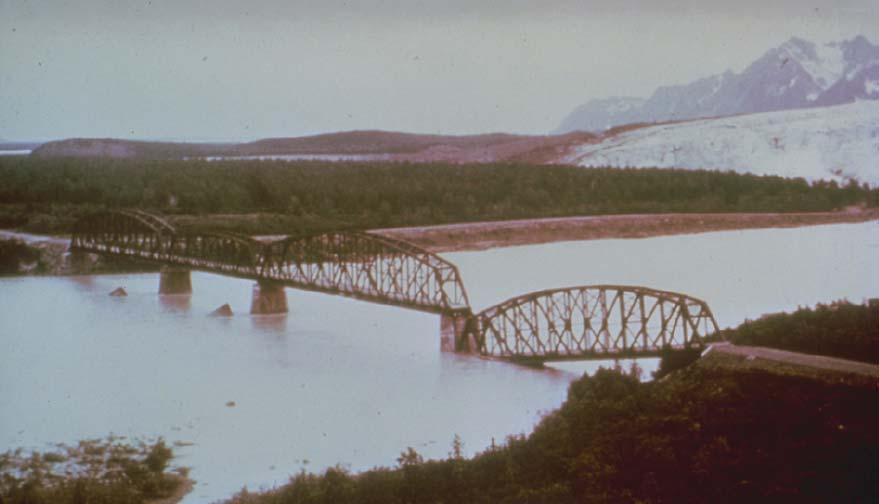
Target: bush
<point>95,471</point>
<point>14,254</point>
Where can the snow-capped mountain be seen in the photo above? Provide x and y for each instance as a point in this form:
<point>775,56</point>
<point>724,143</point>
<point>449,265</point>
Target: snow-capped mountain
<point>797,74</point>
<point>838,143</point>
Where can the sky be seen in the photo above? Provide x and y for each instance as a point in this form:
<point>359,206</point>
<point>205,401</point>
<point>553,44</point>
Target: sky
<point>240,70</point>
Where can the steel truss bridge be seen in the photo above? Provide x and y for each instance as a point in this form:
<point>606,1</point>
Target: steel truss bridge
<point>601,321</point>
<point>356,264</point>
<point>594,321</point>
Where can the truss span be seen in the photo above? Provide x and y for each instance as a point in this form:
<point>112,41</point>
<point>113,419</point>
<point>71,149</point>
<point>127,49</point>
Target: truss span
<point>355,264</point>
<point>596,321</point>
<point>367,266</point>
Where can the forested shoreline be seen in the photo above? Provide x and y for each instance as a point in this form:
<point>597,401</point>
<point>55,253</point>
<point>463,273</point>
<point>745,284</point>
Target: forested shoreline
<point>838,329</point>
<point>47,195</point>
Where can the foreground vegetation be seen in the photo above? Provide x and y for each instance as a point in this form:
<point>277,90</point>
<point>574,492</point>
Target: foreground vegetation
<point>95,471</point>
<point>708,432</point>
<point>47,195</point>
<point>839,329</point>
<point>702,435</point>
<point>15,255</point>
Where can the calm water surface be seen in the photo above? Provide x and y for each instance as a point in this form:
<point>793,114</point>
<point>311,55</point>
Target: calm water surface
<point>342,381</point>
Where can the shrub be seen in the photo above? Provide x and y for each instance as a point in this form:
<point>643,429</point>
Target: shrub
<point>839,329</point>
<point>96,471</point>
<point>14,254</point>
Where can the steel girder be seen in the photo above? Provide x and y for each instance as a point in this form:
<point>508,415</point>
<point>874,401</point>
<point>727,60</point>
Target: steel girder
<point>356,264</point>
<point>592,321</point>
<point>369,267</point>
<point>144,236</point>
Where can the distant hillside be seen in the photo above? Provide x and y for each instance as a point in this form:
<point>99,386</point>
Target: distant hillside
<point>391,146</point>
<point>18,146</point>
<point>840,142</point>
<point>797,74</point>
<point>369,142</point>
<point>127,149</point>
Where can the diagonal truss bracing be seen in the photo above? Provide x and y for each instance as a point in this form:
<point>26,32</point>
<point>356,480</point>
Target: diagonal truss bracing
<point>591,322</point>
<point>356,264</point>
<point>366,266</point>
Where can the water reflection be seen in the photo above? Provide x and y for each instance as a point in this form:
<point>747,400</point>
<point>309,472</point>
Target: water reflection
<point>176,303</point>
<point>272,332</point>
<point>270,324</point>
<point>84,282</point>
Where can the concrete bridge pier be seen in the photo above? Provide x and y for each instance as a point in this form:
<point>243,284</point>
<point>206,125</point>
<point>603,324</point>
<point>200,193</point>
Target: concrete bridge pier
<point>80,263</point>
<point>268,298</point>
<point>174,281</point>
<point>457,332</point>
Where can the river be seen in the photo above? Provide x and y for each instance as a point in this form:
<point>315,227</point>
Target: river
<point>348,382</point>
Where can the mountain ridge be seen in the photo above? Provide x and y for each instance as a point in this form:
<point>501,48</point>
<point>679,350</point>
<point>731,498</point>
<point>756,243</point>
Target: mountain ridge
<point>797,74</point>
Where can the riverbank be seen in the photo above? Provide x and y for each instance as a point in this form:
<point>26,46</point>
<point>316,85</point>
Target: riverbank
<point>54,260</point>
<point>486,235</point>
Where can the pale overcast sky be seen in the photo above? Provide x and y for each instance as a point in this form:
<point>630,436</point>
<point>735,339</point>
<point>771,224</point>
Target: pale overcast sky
<point>238,70</point>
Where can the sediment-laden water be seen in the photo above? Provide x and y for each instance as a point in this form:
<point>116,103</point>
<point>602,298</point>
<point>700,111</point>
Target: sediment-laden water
<point>348,382</point>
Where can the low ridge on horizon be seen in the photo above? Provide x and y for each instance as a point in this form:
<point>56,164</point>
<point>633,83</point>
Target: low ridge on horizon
<point>352,133</point>
<point>374,144</point>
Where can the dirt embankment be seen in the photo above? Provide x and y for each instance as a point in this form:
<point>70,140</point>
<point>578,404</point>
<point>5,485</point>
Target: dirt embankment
<point>484,235</point>
<point>815,367</point>
<point>786,358</point>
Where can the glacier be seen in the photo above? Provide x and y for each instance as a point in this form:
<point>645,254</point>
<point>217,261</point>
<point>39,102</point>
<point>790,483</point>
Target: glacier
<point>831,143</point>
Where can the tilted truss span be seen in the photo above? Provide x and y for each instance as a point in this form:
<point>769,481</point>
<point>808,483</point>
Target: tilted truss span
<point>140,235</point>
<point>356,264</point>
<point>367,266</point>
<point>592,321</point>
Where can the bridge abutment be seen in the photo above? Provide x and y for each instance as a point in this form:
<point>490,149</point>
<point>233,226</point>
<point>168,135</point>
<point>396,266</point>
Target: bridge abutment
<point>174,281</point>
<point>268,298</point>
<point>456,334</point>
